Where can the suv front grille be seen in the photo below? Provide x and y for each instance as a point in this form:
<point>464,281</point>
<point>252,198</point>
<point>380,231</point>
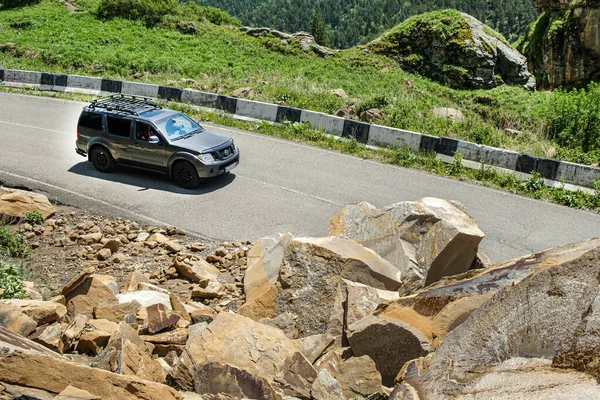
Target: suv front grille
<point>224,154</point>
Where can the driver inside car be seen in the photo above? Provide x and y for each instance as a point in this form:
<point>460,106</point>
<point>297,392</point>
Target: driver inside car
<point>144,133</point>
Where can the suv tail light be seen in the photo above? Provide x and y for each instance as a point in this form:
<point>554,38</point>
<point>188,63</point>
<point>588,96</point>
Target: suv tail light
<point>77,133</point>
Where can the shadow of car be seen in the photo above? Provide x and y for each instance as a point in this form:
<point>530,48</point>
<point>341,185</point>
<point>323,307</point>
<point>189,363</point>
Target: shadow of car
<point>145,179</point>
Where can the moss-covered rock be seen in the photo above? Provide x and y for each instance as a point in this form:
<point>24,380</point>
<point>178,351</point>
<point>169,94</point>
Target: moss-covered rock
<point>456,49</point>
<point>563,46</point>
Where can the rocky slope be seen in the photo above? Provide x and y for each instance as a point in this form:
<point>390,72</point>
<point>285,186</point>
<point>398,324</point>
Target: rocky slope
<point>456,49</point>
<point>133,311</point>
<point>563,46</point>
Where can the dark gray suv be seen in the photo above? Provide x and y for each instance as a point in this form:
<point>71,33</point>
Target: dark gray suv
<point>135,131</point>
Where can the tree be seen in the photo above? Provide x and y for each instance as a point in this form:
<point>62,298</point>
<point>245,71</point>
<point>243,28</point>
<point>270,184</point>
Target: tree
<point>318,29</point>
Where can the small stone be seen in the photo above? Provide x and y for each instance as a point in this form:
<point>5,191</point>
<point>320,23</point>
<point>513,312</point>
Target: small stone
<point>141,237</point>
<point>197,247</point>
<point>104,254</point>
<point>173,247</point>
<point>212,290</point>
<point>213,259</point>
<point>113,245</point>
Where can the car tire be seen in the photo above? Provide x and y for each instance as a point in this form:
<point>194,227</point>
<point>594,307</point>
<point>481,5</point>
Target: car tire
<point>102,159</point>
<point>185,175</point>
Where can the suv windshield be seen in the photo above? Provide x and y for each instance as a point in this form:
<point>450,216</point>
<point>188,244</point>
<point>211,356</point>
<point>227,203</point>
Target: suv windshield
<point>178,126</point>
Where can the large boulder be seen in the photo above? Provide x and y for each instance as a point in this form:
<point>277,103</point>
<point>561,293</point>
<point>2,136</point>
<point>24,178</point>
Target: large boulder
<point>93,291</point>
<point>42,312</point>
<point>305,277</point>
<point>12,318</point>
<point>549,315</point>
<point>425,239</point>
<point>215,378</point>
<point>456,49</point>
<point>563,47</point>
<point>27,364</point>
<point>260,350</point>
<point>412,326</point>
<point>15,203</point>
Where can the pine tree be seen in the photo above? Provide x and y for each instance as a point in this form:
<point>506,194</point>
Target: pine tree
<point>318,29</point>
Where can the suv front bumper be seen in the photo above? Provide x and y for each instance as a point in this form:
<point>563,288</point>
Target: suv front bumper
<point>210,170</point>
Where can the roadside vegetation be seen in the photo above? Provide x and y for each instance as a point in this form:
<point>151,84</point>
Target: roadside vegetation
<point>13,248</point>
<point>202,48</point>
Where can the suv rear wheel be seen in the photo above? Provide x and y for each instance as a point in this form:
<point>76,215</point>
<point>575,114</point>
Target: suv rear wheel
<point>185,175</point>
<point>102,159</point>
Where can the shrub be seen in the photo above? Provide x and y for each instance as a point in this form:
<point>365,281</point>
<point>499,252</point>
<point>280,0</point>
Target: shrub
<point>216,16</point>
<point>534,186</point>
<point>148,11</point>
<point>456,168</point>
<point>11,244</point>
<point>11,282</point>
<point>33,217</point>
<point>575,118</point>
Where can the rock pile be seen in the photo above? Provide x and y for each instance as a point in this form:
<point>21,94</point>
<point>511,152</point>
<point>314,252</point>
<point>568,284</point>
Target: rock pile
<point>304,39</point>
<point>386,307</point>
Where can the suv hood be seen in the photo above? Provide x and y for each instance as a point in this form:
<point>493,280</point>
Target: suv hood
<point>201,142</point>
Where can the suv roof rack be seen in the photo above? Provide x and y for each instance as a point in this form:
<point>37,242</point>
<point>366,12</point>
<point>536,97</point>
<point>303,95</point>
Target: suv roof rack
<point>128,104</point>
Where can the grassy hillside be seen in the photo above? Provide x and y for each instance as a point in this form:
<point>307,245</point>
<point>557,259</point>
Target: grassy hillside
<point>47,36</point>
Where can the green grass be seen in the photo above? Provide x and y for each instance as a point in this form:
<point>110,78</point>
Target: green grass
<point>47,37</point>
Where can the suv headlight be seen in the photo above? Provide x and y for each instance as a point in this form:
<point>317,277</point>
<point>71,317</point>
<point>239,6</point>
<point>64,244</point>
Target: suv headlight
<point>207,157</point>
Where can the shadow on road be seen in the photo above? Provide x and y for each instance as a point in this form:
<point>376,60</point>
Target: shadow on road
<point>149,179</point>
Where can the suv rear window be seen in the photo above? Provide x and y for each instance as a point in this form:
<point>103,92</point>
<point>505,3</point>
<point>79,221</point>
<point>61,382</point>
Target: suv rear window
<point>119,126</point>
<point>91,121</point>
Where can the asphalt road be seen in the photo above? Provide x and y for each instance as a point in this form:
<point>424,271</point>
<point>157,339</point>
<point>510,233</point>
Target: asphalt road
<point>279,186</point>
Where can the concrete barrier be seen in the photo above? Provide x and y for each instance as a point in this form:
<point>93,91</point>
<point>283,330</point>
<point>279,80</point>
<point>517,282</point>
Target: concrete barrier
<point>169,93</point>
<point>356,130</point>
<point>255,109</point>
<point>577,174</point>
<point>328,123</point>
<point>227,104</point>
<point>15,77</point>
<point>84,84</point>
<point>199,98</point>
<point>501,158</point>
<point>285,113</point>
<point>111,86</point>
<point>140,89</point>
<point>470,151</point>
<point>384,135</point>
<point>53,82</point>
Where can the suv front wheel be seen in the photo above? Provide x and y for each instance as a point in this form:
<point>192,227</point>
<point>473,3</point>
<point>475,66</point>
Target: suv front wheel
<point>185,175</point>
<point>102,159</point>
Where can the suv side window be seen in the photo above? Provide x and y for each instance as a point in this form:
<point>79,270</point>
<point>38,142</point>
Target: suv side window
<point>143,131</point>
<point>91,121</point>
<point>118,126</point>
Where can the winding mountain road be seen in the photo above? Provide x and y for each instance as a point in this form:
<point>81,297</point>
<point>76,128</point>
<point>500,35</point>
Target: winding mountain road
<point>279,186</point>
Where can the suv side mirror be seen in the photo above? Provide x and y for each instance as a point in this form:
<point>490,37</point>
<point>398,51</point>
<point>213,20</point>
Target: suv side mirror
<point>153,140</point>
